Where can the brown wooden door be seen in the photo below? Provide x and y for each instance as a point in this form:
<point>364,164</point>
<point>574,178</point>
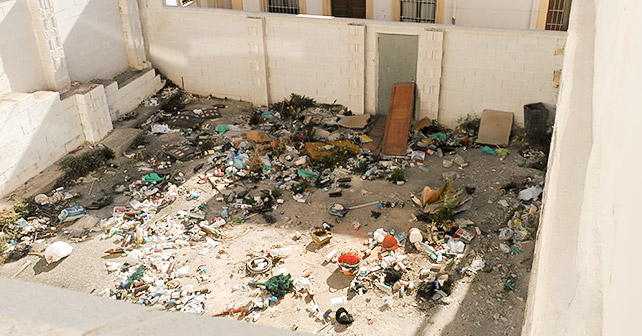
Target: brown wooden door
<point>402,100</point>
<point>349,8</point>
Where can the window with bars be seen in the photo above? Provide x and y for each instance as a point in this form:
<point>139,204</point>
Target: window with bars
<point>558,14</point>
<point>283,6</point>
<point>418,11</point>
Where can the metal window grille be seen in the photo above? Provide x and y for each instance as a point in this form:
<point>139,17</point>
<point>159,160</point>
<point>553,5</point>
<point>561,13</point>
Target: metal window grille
<point>283,6</point>
<point>418,11</point>
<point>557,16</point>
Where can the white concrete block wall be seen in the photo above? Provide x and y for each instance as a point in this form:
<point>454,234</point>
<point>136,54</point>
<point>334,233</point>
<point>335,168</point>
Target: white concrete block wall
<point>460,70</point>
<point>122,100</point>
<point>94,114</point>
<point>309,57</point>
<point>205,50</point>
<point>20,69</point>
<point>37,130</point>
<point>429,60</point>
<point>92,37</point>
<point>501,70</point>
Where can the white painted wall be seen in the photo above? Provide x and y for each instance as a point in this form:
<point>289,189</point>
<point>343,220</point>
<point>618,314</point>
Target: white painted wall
<point>382,10</point>
<point>92,37</point>
<point>20,68</point>
<point>251,5</point>
<point>515,14</point>
<point>588,243</point>
<point>498,69</point>
<point>225,53</point>
<point>315,58</point>
<point>122,100</point>
<point>314,7</point>
<point>37,129</point>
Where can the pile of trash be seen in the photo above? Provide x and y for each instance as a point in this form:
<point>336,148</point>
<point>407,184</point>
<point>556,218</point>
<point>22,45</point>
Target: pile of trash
<point>296,146</point>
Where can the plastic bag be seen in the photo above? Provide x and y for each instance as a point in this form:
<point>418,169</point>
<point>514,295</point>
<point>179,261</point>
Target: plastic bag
<point>57,251</point>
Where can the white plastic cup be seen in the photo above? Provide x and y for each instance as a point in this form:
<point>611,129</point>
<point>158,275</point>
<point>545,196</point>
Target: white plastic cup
<point>415,236</point>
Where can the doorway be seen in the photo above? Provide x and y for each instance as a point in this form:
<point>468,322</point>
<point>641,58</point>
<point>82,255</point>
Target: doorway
<point>397,64</point>
<point>349,8</point>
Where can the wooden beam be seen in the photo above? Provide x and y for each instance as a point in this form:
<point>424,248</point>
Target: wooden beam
<point>543,13</point>
<point>264,5</point>
<point>439,11</point>
<point>220,3</point>
<point>396,11</point>
<point>237,4</point>
<point>302,7</point>
<point>369,9</point>
<point>327,7</point>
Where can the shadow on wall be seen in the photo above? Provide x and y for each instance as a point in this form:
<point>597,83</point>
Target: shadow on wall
<point>20,66</point>
<point>92,37</point>
<point>35,133</point>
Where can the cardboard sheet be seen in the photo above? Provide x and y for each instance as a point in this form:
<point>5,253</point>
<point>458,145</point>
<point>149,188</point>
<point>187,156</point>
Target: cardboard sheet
<point>495,127</point>
<point>358,121</point>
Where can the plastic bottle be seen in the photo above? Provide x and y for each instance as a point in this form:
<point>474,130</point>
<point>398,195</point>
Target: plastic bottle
<point>424,247</point>
<point>368,173</point>
<point>530,193</point>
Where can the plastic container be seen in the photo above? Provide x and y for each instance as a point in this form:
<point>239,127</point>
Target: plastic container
<point>415,236</point>
<point>529,194</point>
<point>330,255</point>
<point>72,213</point>
<point>281,252</point>
<point>339,301</point>
<point>535,116</point>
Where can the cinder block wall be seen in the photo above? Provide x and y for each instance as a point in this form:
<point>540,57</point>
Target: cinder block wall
<point>263,58</point>
<point>37,130</point>
<point>92,38</point>
<point>317,58</point>
<point>20,69</point>
<point>498,69</point>
<point>122,100</point>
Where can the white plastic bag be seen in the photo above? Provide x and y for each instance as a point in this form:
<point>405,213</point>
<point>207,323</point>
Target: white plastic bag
<point>57,251</point>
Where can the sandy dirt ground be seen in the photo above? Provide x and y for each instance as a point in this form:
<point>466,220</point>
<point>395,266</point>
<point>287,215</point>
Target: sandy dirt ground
<point>479,303</point>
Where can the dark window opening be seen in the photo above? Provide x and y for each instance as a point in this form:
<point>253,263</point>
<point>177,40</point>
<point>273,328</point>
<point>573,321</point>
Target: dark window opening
<point>558,14</point>
<point>418,11</point>
<point>283,6</point>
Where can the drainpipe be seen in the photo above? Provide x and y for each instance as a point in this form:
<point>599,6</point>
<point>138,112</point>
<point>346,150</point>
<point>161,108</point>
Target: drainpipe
<point>454,18</point>
<point>530,22</point>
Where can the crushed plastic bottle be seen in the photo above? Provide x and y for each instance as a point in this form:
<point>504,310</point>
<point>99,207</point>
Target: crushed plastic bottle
<point>529,193</point>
